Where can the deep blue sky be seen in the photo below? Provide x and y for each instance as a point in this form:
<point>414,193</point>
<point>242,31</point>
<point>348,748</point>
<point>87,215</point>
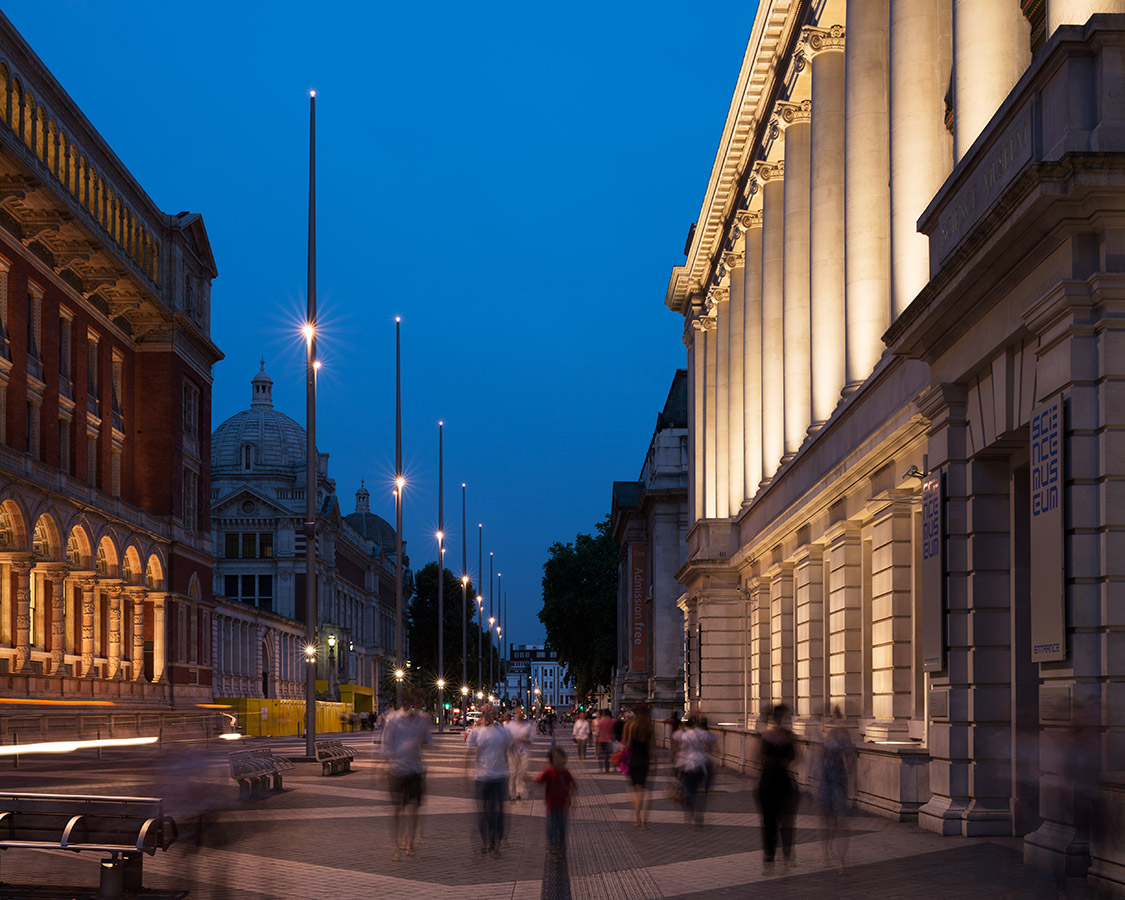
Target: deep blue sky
<point>515,180</point>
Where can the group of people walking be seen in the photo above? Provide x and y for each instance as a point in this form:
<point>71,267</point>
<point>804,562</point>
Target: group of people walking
<point>498,750</point>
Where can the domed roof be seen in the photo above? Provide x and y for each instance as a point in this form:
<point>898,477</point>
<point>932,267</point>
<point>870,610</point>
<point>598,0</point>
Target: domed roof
<point>277,441</point>
<point>370,525</point>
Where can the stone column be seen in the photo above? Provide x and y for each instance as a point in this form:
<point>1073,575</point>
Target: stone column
<point>57,578</point>
<point>825,48</point>
<point>113,591</point>
<point>761,679</point>
<point>809,587</point>
<point>86,588</point>
<point>845,619</point>
<point>136,606</point>
<point>695,420</point>
<point>752,355</point>
<point>867,194</point>
<point>783,686</point>
<point>719,344</point>
<point>795,120</point>
<point>892,556</point>
<point>159,638</point>
<point>688,606</point>
<point>22,569</point>
<point>735,332</point>
<point>770,177</point>
<point>921,148</point>
<point>1077,12</point>
<point>991,50</point>
<point>710,455</point>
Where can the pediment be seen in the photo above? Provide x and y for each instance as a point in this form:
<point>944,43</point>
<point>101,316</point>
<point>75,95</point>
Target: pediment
<point>245,502</point>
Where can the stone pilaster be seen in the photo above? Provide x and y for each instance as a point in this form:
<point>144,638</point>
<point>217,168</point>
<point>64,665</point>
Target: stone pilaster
<point>825,49</point>
<point>86,588</point>
<point>735,355</point>
<point>135,606</point>
<point>991,50</point>
<point>22,570</point>
<point>694,343</point>
<point>783,683</point>
<point>718,344</point>
<point>752,355</point>
<point>845,619</point>
<point>57,579</point>
<point>867,196</point>
<point>795,119</point>
<point>710,409</point>
<point>113,591</point>
<point>809,632</point>
<point>159,638</point>
<point>761,679</point>
<point>720,654</point>
<point>771,178</point>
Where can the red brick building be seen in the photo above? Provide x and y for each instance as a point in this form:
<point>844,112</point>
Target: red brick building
<point>105,395</point>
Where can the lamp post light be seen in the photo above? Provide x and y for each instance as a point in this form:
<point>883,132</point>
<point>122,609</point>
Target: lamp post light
<point>310,448</point>
<point>502,686</point>
<point>480,629</point>
<point>464,644</point>
<point>331,666</point>
<point>491,680</point>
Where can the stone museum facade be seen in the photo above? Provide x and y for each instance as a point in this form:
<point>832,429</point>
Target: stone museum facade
<point>649,521</point>
<point>902,300</point>
<point>257,520</point>
<point>105,397</point>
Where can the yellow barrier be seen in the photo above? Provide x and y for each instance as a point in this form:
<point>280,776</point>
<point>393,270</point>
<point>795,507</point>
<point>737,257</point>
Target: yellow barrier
<point>284,718</point>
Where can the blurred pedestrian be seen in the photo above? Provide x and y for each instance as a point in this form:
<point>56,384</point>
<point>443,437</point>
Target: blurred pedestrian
<point>520,730</point>
<point>605,737</point>
<point>694,758</point>
<point>405,733</point>
<point>777,793</point>
<point>559,786</point>
<point>837,759</point>
<point>675,742</point>
<point>489,742</point>
<point>580,731</point>
<point>637,738</point>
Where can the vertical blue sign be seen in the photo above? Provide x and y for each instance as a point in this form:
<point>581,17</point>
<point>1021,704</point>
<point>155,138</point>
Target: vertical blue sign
<point>1048,591</point>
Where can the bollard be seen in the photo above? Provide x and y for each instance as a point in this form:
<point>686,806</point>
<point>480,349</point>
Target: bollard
<point>99,743</point>
<point>112,882</point>
<point>16,755</point>
<point>160,740</point>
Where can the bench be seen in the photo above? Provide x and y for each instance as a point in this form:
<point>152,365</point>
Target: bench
<point>124,827</point>
<point>257,771</point>
<point>334,757</point>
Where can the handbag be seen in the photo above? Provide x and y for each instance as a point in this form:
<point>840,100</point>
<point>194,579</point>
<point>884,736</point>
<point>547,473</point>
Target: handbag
<point>624,760</point>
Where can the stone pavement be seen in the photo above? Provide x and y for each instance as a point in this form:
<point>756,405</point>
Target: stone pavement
<point>329,837</point>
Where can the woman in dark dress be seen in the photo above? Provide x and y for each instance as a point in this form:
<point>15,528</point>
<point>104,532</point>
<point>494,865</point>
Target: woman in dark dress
<point>777,794</point>
<point>638,739</point>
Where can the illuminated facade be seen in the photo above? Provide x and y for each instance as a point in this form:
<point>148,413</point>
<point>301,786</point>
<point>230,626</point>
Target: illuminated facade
<point>649,521</point>
<point>902,302</point>
<point>105,386</point>
<point>257,521</point>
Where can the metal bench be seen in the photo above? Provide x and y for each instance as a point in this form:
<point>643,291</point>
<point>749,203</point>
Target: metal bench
<point>124,827</point>
<point>334,757</point>
<point>257,771</point>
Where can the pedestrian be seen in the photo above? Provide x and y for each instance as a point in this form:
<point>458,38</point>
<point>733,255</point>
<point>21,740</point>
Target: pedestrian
<point>605,737</point>
<point>675,742</point>
<point>551,719</point>
<point>520,730</point>
<point>637,738</point>
<point>580,731</point>
<point>837,758</point>
<point>558,788</point>
<point>405,733</point>
<point>694,758</point>
<point>777,793</point>
<point>488,742</point>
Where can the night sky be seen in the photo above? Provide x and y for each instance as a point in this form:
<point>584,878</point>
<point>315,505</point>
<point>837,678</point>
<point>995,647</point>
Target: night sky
<point>514,180</point>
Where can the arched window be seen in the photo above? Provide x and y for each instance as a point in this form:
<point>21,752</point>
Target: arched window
<point>247,457</point>
<point>102,561</point>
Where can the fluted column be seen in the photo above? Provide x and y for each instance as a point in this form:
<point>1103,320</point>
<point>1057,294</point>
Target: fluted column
<point>735,355</point>
<point>693,342</point>
<point>1077,12</point>
<point>136,607</point>
<point>752,354</point>
<point>921,148</point>
<point>771,178</point>
<point>22,570</point>
<point>825,48</point>
<point>57,578</point>
<point>795,120</point>
<point>719,345</point>
<point>87,587</point>
<point>867,195</point>
<point>991,50</point>
<point>113,591</point>
<point>159,638</point>
<point>710,457</point>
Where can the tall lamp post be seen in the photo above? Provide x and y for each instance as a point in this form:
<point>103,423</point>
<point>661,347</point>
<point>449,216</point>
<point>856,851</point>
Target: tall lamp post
<point>464,646</point>
<point>310,453</point>
<point>491,622</point>
<point>400,483</point>
<point>441,582</point>
<point>480,629</point>
<point>499,642</point>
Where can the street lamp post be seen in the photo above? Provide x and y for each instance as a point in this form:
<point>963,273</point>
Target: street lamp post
<point>491,620</point>
<point>441,584</point>
<point>464,645</point>
<point>480,629</point>
<point>400,483</point>
<point>310,451</point>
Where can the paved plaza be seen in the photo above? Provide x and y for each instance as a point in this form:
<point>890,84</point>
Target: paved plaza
<point>330,837</point>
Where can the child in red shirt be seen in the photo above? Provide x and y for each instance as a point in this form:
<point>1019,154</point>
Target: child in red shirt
<point>559,786</point>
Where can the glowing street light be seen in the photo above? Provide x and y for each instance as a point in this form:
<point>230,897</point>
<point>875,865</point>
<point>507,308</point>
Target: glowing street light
<point>310,450</point>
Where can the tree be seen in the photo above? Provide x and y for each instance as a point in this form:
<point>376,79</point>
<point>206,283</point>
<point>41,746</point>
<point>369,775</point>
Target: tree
<point>580,607</point>
<point>421,630</point>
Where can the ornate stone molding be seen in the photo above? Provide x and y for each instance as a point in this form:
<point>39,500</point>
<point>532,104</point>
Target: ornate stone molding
<point>821,40</point>
<point>798,64</point>
<point>750,218</point>
<point>786,114</point>
<point>734,259</point>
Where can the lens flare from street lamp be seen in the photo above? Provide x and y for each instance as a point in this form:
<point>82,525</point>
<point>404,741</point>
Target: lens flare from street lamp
<point>309,331</point>
<point>464,690</point>
<point>310,650</point>
<point>441,683</point>
<point>400,482</point>
<point>399,674</point>
<point>312,93</point>
<point>440,535</point>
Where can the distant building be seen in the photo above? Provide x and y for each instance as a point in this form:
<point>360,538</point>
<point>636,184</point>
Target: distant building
<point>257,520</point>
<point>536,666</point>
<point>105,395</point>
<point>649,521</point>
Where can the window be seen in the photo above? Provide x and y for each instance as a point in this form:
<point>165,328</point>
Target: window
<point>118,389</point>
<point>64,445</point>
<point>4,350</point>
<point>92,459</point>
<point>191,410</point>
<point>232,545</point>
<point>252,589</point>
<point>265,545</point>
<point>249,545</point>
<point>247,457</point>
<point>64,343</point>
<point>34,322</point>
<point>191,500</point>
<point>230,587</point>
<point>253,545</point>
<point>92,364</point>
<point>115,472</point>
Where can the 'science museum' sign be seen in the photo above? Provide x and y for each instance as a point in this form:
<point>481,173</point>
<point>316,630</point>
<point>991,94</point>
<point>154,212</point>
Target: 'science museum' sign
<point>1048,624</point>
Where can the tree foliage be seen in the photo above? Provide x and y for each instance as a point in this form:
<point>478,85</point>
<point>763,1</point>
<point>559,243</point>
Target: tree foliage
<point>422,632</point>
<point>580,607</point>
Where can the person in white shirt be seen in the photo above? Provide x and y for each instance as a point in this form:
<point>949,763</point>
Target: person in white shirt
<point>581,733</point>
<point>489,742</point>
<point>520,730</point>
<point>405,734</point>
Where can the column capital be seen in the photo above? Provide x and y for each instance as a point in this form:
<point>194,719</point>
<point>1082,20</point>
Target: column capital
<point>136,591</point>
<point>733,259</point>
<point>816,40</point>
<point>112,586</point>
<point>750,218</point>
<point>786,113</point>
<point>704,323</point>
<point>22,565</point>
<point>57,573</point>
<point>761,173</point>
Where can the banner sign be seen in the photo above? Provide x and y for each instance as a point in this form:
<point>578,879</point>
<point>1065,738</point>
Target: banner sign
<point>933,573</point>
<point>1048,592</point>
<point>638,597</point>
